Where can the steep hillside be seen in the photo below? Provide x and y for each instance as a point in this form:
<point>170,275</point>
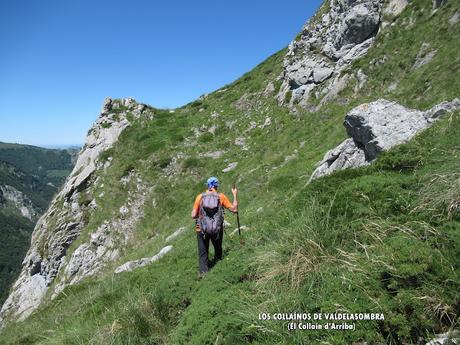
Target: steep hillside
<point>29,178</point>
<point>382,238</point>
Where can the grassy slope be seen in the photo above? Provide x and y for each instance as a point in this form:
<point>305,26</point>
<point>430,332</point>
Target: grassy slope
<point>382,238</point>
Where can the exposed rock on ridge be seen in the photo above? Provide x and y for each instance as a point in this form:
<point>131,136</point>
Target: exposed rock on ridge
<point>377,127</point>
<point>61,224</point>
<point>327,45</point>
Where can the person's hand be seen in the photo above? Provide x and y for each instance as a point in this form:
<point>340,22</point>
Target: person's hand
<point>234,191</point>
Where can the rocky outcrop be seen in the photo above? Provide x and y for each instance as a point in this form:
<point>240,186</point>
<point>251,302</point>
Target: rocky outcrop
<point>451,337</point>
<point>47,260</point>
<point>346,155</point>
<point>327,45</point>
<point>20,201</point>
<point>101,136</point>
<point>105,242</point>
<point>377,127</point>
<point>132,265</point>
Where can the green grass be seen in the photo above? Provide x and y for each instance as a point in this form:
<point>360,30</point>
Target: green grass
<point>383,238</point>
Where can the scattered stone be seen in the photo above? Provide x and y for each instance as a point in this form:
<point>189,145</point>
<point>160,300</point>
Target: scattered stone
<point>132,265</point>
<point>240,141</point>
<point>242,227</point>
<point>175,234</point>
<point>230,167</point>
<point>455,18</point>
<point>230,124</point>
<point>213,155</point>
<point>93,204</point>
<point>269,89</point>
<point>252,125</point>
<point>393,86</point>
<point>446,338</point>
<point>267,123</point>
<point>424,56</point>
<point>361,80</point>
<point>213,129</point>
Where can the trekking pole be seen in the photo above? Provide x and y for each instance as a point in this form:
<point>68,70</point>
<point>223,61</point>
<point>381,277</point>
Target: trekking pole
<point>239,228</point>
<point>238,222</point>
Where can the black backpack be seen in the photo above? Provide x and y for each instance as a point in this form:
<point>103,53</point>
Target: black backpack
<point>211,214</point>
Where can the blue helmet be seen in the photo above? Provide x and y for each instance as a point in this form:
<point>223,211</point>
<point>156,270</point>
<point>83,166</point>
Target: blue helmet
<point>212,182</point>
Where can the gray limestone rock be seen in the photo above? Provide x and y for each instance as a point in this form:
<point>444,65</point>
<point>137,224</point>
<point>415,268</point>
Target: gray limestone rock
<point>449,338</point>
<point>132,265</point>
<point>29,291</point>
<point>376,127</point>
<point>230,167</point>
<point>269,89</point>
<point>380,125</point>
<point>320,74</point>
<point>213,154</point>
<point>424,56</point>
<point>175,234</point>
<point>346,155</point>
<point>455,18</point>
<point>326,47</point>
<point>102,135</point>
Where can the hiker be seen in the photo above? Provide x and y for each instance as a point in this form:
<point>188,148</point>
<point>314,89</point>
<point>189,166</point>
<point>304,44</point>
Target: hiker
<point>209,217</point>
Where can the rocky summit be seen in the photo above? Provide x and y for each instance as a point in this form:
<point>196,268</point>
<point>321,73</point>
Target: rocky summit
<point>60,226</point>
<point>344,147</point>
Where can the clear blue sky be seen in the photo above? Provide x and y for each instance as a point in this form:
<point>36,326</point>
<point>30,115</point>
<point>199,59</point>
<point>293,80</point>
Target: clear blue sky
<point>60,58</point>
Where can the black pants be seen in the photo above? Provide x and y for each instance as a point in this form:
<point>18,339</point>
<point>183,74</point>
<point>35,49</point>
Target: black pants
<point>203,249</point>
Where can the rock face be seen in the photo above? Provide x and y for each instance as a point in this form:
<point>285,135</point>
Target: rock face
<point>47,260</point>
<point>327,45</point>
<point>20,201</point>
<point>377,127</point>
